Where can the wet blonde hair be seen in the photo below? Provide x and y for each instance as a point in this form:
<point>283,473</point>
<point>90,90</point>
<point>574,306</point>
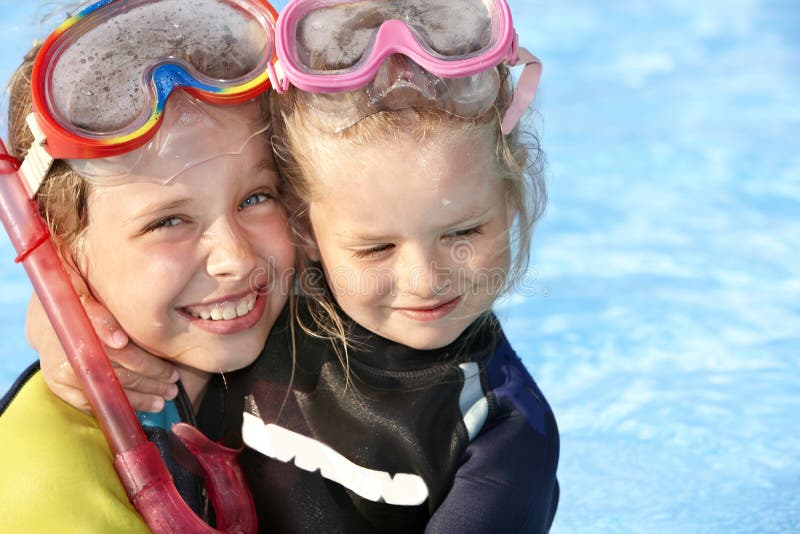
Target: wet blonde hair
<point>517,156</point>
<point>63,194</point>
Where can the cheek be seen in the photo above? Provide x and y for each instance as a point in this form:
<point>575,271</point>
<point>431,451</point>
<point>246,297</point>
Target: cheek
<point>355,286</point>
<point>491,253</point>
<point>129,277</point>
<point>272,242</point>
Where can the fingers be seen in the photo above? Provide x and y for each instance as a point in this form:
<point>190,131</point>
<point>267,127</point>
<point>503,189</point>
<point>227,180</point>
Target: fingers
<point>63,388</point>
<point>135,382</point>
<point>140,362</point>
<point>60,378</point>
<point>143,392</point>
<point>147,379</point>
<point>145,403</point>
<point>108,329</point>
<point>39,333</point>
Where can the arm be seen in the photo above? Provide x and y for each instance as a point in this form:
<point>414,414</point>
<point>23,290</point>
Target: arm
<point>507,481</point>
<point>147,379</point>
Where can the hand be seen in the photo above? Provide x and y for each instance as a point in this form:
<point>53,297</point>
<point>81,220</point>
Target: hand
<point>148,380</point>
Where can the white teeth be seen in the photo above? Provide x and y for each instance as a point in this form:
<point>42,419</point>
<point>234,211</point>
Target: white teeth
<point>229,311</point>
<point>224,311</point>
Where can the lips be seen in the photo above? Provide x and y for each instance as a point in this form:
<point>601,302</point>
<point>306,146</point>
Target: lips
<point>229,315</point>
<point>431,313</point>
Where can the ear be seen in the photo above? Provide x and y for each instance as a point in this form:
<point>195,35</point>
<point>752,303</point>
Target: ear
<point>311,249</point>
<point>75,258</point>
<point>307,242</point>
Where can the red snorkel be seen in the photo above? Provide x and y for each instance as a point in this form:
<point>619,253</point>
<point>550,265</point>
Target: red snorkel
<point>137,461</point>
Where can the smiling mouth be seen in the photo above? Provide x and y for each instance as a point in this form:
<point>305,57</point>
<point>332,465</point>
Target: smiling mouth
<point>431,313</point>
<point>223,311</point>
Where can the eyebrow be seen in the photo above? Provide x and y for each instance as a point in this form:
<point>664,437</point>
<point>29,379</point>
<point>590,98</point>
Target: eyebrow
<point>157,207</point>
<point>267,163</point>
<point>471,217</point>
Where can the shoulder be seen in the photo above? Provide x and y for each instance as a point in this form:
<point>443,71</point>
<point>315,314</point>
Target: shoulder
<point>521,422</point>
<point>57,469</point>
<point>514,389</point>
<point>507,479</point>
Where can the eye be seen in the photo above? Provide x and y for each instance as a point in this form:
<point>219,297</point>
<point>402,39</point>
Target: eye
<point>255,198</point>
<point>372,251</point>
<point>466,232</point>
<point>166,222</point>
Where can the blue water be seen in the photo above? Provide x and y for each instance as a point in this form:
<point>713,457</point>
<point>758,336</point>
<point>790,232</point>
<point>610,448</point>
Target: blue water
<point>662,313</point>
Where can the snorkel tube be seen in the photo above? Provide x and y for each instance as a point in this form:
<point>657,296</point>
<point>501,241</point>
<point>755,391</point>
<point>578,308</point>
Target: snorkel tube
<point>139,466</point>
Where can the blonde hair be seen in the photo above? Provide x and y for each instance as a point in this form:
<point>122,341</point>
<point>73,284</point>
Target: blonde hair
<point>63,194</point>
<point>519,164</point>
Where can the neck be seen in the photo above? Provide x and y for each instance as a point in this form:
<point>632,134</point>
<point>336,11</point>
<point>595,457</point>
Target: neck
<point>479,337</point>
<point>194,382</point>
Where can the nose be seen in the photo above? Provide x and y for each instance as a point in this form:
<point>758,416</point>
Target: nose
<point>230,252</point>
<point>422,274</point>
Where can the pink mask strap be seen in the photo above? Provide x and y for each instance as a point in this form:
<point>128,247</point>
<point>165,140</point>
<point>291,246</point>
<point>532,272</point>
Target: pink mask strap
<point>525,90</point>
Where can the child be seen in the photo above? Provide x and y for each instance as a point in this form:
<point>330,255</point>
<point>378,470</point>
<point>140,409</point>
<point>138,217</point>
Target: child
<point>405,191</point>
<point>182,238</point>
<point>418,415</point>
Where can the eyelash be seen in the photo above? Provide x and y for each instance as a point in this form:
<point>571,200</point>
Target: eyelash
<point>166,221</point>
<point>163,223</point>
<point>372,251</point>
<point>457,234</point>
<point>466,232</point>
<point>266,197</point>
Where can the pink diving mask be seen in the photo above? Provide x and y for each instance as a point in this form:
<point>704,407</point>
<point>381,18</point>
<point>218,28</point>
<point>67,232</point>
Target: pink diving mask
<point>444,53</point>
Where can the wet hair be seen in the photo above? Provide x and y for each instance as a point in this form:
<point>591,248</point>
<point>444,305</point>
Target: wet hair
<point>518,160</point>
<point>62,197</point>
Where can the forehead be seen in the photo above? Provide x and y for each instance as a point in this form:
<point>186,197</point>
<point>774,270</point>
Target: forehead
<point>191,132</point>
<point>437,157</point>
<point>220,177</point>
<point>434,179</point>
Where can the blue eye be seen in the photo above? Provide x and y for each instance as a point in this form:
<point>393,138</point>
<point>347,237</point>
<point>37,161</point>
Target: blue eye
<point>166,222</point>
<point>255,198</point>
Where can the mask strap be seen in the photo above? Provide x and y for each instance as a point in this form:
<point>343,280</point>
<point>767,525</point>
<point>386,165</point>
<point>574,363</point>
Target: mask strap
<point>525,90</point>
<point>277,77</point>
<point>37,162</point>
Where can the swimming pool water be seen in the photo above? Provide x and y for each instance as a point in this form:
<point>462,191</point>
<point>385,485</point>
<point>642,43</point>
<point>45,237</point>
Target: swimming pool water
<point>661,316</point>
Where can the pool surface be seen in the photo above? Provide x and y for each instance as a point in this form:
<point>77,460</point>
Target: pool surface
<point>661,315</point>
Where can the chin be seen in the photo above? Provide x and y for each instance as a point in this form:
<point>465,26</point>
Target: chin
<point>427,342</point>
<point>227,357</point>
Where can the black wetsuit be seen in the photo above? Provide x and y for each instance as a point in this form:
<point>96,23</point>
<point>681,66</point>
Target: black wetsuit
<point>466,426</point>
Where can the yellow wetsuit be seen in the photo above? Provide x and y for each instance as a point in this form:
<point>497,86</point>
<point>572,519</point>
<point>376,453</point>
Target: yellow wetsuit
<point>56,470</point>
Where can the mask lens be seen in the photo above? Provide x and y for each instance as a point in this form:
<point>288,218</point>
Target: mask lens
<point>336,37</point>
<point>454,29</point>
<point>99,84</point>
